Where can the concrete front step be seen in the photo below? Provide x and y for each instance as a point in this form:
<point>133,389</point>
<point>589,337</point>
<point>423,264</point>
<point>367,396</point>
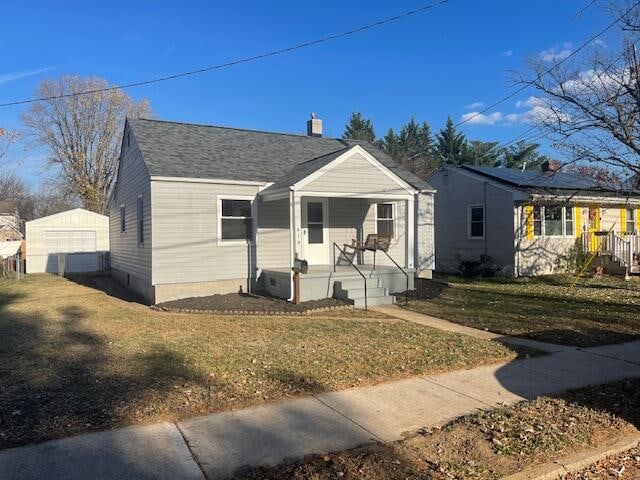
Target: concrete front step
<point>373,301</point>
<point>354,293</point>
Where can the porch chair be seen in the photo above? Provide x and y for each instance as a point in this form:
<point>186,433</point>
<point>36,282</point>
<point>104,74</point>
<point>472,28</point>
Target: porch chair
<point>373,243</point>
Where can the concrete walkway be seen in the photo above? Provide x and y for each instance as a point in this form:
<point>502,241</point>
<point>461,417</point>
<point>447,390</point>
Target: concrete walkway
<point>440,324</point>
<point>220,444</point>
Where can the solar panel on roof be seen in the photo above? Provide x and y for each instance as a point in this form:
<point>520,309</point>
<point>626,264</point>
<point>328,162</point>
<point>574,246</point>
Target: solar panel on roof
<point>537,178</point>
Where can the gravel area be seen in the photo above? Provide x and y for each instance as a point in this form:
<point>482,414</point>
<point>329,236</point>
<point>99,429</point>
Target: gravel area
<point>247,302</point>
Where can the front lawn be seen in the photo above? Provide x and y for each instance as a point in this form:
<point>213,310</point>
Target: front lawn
<point>73,359</point>
<point>597,311</point>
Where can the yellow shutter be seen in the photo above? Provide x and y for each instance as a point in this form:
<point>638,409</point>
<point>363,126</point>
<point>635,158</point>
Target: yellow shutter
<point>597,223</point>
<point>623,220</point>
<point>578,220</point>
<point>528,216</point>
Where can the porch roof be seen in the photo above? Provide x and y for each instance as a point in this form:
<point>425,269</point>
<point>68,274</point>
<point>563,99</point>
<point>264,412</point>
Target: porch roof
<point>302,173</point>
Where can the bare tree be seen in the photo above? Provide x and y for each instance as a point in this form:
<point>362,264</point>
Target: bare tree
<point>7,137</point>
<point>82,133</point>
<point>46,200</point>
<point>589,106</point>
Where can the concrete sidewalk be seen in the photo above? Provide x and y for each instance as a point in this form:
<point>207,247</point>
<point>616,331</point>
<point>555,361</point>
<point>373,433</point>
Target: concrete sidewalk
<point>219,445</point>
<point>447,326</point>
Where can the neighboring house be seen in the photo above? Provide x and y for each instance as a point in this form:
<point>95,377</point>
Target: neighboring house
<point>80,234</point>
<point>199,210</point>
<point>10,224</point>
<point>528,221</point>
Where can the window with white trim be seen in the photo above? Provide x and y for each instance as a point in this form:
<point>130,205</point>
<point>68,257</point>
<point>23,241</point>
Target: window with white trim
<point>123,219</point>
<point>475,217</point>
<point>553,221</point>
<point>140,221</point>
<point>631,221</point>
<point>385,218</point>
<point>236,221</point>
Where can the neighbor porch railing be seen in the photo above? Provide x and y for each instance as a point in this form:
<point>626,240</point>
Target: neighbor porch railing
<point>622,248</point>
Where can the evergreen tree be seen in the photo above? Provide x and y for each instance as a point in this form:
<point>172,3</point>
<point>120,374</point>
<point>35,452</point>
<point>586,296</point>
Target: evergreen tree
<point>359,128</point>
<point>451,145</point>
<point>483,153</point>
<point>523,154</point>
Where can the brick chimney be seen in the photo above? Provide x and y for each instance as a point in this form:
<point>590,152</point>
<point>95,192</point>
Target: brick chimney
<point>314,126</point>
<point>551,166</point>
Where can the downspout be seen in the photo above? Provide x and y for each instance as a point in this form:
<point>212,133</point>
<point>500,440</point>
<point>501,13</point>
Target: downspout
<point>292,240</point>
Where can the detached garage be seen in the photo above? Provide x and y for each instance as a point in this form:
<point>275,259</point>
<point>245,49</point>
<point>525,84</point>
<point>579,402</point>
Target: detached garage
<point>79,233</point>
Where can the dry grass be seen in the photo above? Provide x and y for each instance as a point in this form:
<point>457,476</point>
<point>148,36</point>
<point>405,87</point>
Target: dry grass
<point>491,444</point>
<point>597,311</point>
<point>73,359</point>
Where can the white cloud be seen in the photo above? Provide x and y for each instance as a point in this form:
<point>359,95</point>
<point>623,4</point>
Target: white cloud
<point>474,106</point>
<point>506,53</point>
<point>556,53</point>
<point>477,118</point>
<point>534,110</point>
<point>599,43</point>
<point>13,76</point>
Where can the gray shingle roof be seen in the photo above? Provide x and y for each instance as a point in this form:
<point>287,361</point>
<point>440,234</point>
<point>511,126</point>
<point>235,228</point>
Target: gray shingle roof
<point>537,179</point>
<point>173,149</point>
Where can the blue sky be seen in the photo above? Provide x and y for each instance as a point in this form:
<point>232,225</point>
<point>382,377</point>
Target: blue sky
<point>429,65</point>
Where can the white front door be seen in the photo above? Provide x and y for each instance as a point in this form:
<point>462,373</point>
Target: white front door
<point>315,230</point>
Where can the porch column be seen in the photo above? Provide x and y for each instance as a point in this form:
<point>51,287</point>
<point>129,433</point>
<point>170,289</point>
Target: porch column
<point>297,221</point>
<point>410,229</point>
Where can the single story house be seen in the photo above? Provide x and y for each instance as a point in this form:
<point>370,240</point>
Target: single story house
<point>198,210</point>
<point>529,221</point>
<point>81,235</point>
<point>10,223</point>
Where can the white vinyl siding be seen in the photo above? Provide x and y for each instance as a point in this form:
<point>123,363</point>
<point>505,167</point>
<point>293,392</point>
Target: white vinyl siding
<point>355,175</point>
<point>133,181</point>
<point>452,241</point>
<point>185,234</point>
<point>273,239</point>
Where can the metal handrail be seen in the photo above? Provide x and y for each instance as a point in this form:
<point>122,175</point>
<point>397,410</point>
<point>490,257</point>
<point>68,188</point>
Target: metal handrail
<point>406,295</point>
<point>364,278</point>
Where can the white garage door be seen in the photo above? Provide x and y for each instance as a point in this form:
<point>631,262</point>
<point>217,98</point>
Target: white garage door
<point>79,245</point>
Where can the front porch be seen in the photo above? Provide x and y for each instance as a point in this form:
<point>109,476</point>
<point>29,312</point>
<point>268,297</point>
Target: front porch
<point>321,281</point>
<point>330,204</point>
<point>617,252</point>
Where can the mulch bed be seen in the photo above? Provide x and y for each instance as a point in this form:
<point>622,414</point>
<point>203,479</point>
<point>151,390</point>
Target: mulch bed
<point>247,303</point>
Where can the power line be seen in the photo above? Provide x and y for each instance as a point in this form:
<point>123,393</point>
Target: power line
<point>273,53</point>
<point>549,70</point>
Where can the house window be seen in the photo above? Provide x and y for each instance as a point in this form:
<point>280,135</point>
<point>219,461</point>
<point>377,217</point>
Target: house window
<point>568,221</point>
<point>123,219</point>
<point>236,222</point>
<point>475,216</point>
<point>631,221</point>
<point>140,223</point>
<point>537,221</point>
<point>385,219</point>
<point>553,221</point>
